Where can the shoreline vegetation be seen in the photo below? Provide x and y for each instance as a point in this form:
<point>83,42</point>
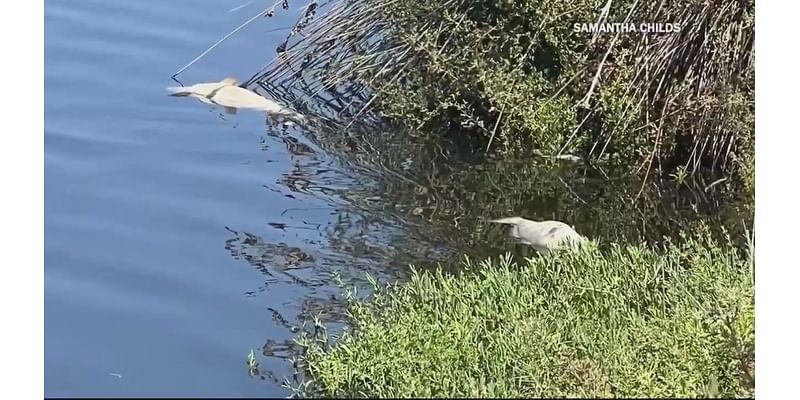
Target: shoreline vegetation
<point>484,109</point>
<point>628,322</point>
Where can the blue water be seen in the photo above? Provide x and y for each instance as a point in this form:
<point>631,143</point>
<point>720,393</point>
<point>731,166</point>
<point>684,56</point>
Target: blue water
<point>146,291</point>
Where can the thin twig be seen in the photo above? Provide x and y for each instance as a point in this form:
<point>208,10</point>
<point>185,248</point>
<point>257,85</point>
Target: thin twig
<point>496,124</point>
<point>255,17</point>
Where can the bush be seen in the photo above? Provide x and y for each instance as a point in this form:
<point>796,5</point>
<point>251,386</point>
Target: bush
<point>484,90</point>
<point>629,322</point>
<point>519,76</point>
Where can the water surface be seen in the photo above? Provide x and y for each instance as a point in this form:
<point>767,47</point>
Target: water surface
<point>162,270</point>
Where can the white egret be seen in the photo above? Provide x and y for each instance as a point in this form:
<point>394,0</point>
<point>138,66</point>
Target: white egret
<point>232,97</point>
<point>543,236</point>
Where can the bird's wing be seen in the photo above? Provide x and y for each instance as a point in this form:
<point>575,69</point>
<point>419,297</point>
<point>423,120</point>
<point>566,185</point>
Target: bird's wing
<point>557,232</point>
<point>532,233</point>
<point>235,96</point>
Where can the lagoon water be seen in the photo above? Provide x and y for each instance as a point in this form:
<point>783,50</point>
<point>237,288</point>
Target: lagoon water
<point>177,238</point>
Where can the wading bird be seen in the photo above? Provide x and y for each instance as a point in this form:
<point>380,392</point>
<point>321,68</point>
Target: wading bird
<point>228,94</point>
<point>543,236</point>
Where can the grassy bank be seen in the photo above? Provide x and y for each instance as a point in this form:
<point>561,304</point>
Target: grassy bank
<point>630,321</point>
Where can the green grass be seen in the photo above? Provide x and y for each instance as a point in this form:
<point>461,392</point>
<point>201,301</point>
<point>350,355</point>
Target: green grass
<point>629,321</point>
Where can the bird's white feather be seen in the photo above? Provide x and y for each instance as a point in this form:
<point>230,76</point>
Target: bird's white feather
<point>541,235</point>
